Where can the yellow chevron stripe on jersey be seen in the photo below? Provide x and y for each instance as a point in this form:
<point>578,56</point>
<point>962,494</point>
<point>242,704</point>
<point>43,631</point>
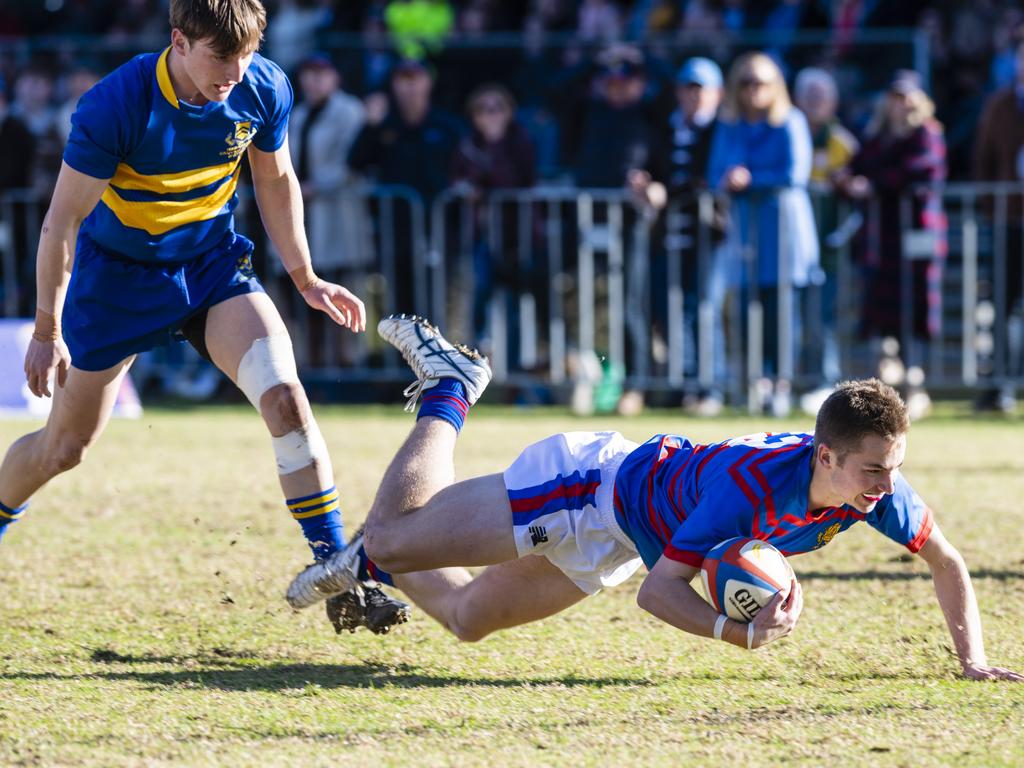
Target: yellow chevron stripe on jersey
<point>163,79</point>
<point>127,177</point>
<point>161,216</point>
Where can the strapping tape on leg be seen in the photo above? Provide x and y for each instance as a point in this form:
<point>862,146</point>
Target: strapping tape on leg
<point>299,448</point>
<point>267,363</point>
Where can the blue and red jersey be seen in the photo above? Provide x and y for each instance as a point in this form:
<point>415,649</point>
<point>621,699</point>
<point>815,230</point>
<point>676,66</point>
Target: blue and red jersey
<point>678,499</point>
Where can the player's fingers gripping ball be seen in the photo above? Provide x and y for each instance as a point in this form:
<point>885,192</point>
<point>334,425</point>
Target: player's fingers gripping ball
<point>742,575</point>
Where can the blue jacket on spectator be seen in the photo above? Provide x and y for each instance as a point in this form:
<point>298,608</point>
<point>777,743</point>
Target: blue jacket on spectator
<point>779,161</point>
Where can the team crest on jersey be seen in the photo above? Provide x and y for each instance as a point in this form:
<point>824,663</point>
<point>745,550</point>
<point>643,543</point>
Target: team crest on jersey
<point>239,139</point>
<point>244,266</point>
<point>828,534</point>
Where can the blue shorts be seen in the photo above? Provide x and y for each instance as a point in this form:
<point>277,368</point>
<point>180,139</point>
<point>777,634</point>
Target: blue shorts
<point>117,307</point>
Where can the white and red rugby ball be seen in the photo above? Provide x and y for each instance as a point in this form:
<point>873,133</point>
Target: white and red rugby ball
<point>742,575</point>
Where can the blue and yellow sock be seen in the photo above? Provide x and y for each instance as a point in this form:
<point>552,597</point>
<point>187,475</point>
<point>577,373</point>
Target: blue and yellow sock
<point>10,515</point>
<point>320,519</point>
<point>446,400</point>
<point>368,570</point>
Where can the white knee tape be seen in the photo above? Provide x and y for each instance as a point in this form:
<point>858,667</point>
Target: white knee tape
<point>299,448</point>
<point>268,362</point>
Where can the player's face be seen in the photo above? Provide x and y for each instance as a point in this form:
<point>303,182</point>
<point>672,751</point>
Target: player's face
<point>869,473</point>
<point>213,74</point>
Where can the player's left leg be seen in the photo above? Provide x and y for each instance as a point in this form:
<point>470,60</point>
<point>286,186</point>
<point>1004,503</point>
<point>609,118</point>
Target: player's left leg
<point>504,595</point>
<point>246,338</point>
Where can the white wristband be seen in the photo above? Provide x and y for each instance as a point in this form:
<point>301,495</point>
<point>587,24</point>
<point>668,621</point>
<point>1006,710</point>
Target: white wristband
<point>719,625</point>
<point>750,637</point>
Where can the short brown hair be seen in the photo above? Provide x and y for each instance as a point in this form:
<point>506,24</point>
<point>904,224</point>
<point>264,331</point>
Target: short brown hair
<point>857,409</point>
<point>229,26</point>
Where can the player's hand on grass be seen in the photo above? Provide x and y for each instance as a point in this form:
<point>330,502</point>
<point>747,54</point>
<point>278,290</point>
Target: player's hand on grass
<point>779,617</point>
<point>339,303</point>
<point>985,672</point>
<point>40,361</point>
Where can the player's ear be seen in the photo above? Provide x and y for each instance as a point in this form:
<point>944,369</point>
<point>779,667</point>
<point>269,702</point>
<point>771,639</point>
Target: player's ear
<point>179,42</point>
<point>826,456</point>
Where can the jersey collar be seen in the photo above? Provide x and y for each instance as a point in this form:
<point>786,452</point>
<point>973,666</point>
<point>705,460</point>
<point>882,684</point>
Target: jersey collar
<point>163,79</point>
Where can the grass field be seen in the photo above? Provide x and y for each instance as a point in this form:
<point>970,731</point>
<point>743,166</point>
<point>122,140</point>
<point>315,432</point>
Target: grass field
<point>144,624</point>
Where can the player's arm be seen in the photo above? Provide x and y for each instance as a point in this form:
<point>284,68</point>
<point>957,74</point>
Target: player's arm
<point>667,594</point>
<point>279,198</point>
<point>74,197</point>
<point>956,598</point>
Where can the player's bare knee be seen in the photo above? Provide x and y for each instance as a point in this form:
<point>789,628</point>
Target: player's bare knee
<point>373,540</point>
<point>63,453</point>
<point>284,407</point>
<point>384,547</point>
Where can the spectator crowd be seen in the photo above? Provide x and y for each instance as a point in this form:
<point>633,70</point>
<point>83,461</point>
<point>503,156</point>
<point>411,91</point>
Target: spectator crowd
<point>665,99</point>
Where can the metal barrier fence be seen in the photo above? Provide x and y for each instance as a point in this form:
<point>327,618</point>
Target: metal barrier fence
<point>549,279</point>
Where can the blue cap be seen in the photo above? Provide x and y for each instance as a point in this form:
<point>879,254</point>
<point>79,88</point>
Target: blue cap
<point>701,71</point>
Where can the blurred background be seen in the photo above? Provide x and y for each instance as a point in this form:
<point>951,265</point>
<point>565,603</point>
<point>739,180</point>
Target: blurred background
<point>687,203</point>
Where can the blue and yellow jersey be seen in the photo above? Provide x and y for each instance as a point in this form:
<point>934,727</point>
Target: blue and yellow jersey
<point>680,500</point>
<point>173,167</point>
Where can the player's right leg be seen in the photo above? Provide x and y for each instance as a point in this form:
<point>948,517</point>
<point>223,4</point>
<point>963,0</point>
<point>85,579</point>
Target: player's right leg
<point>419,520</point>
<point>81,409</point>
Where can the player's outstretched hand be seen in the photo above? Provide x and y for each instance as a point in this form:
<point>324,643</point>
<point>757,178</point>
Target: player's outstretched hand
<point>985,672</point>
<point>40,360</point>
<point>339,303</point>
<point>779,617</point>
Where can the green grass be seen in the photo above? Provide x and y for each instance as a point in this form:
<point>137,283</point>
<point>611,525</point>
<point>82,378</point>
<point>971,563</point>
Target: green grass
<point>143,624</point>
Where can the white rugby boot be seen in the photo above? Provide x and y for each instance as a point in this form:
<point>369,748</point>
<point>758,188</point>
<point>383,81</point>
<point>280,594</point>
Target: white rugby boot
<point>335,574</point>
<point>432,357</point>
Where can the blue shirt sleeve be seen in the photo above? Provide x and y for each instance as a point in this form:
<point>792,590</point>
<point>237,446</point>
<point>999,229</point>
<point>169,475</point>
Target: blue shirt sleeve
<point>100,132</point>
<point>903,516</point>
<point>280,100</point>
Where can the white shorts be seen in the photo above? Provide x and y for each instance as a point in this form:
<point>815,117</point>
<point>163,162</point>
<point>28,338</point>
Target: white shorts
<point>562,491</point>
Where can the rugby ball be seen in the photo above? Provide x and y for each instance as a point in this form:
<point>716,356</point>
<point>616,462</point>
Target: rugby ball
<point>742,575</point>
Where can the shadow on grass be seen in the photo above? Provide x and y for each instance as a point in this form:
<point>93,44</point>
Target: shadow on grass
<point>228,675</point>
<point>298,678</point>
<point>976,574</point>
